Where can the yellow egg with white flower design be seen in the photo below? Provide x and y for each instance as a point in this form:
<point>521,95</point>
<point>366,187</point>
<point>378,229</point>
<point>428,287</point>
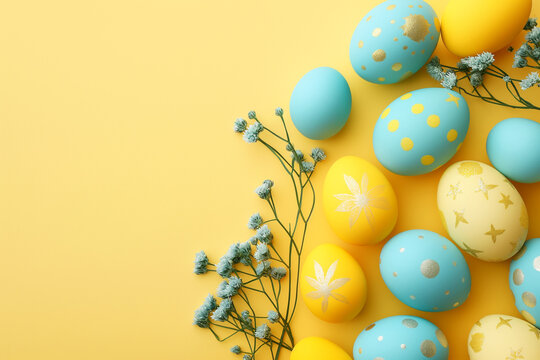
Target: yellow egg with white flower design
<point>359,202</point>
<point>333,284</point>
<point>482,211</point>
<point>503,337</point>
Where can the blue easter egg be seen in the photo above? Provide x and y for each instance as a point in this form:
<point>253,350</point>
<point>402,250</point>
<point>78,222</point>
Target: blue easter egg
<point>525,281</point>
<point>513,147</point>
<point>394,40</point>
<point>401,337</point>
<point>425,271</point>
<point>421,130</point>
<point>321,103</point>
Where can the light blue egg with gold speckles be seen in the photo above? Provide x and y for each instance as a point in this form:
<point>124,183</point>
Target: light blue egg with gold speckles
<point>394,40</point>
<point>425,271</point>
<point>525,281</point>
<point>401,337</point>
<point>421,130</point>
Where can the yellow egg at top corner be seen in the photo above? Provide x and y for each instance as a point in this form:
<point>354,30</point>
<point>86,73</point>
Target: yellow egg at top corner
<point>359,202</point>
<point>472,27</point>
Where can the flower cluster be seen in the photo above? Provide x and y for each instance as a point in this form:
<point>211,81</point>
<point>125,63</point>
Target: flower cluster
<point>475,69</point>
<point>255,265</point>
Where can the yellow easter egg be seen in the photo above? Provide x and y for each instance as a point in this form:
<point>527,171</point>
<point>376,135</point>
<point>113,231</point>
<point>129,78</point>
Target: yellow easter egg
<point>503,337</point>
<point>359,202</point>
<point>471,27</point>
<point>316,348</point>
<point>332,284</point>
<point>483,212</point>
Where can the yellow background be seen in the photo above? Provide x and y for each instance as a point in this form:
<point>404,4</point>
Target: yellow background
<point>118,163</point>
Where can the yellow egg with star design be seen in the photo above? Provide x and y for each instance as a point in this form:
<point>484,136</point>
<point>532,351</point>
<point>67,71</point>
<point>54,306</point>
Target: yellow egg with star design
<point>483,212</point>
<point>503,337</point>
<point>359,202</point>
<point>332,284</point>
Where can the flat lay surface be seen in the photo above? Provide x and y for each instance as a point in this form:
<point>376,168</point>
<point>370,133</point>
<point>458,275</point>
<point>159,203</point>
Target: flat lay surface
<point>118,163</point>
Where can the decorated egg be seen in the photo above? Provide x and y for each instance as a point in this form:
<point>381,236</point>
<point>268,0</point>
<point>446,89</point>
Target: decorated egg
<point>425,271</point>
<point>482,211</point>
<point>503,337</point>
<point>332,284</point>
<point>359,202</point>
<point>316,348</point>
<point>321,103</point>
<point>394,40</point>
<point>471,27</point>
<point>513,147</point>
<point>525,281</point>
<point>421,130</point>
<point>401,337</point>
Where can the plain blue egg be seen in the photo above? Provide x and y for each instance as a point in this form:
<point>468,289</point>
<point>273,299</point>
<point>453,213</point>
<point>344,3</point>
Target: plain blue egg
<point>401,337</point>
<point>513,147</point>
<point>525,281</point>
<point>421,131</point>
<point>394,40</point>
<point>425,271</point>
<point>321,103</point>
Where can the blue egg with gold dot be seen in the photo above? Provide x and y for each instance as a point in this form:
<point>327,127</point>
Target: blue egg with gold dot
<point>421,130</point>
<point>401,337</point>
<point>394,40</point>
<point>525,281</point>
<point>425,271</point>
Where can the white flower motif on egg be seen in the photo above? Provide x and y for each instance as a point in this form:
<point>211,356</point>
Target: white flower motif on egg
<point>324,286</point>
<point>361,199</point>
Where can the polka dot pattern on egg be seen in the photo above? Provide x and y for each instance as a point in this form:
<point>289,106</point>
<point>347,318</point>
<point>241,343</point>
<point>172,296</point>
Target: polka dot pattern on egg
<point>401,337</point>
<point>425,129</point>
<point>378,43</point>
<point>433,274</point>
<point>524,278</point>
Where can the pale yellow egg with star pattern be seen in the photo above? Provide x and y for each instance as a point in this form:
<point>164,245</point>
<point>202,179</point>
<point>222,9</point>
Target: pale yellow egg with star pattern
<point>503,337</point>
<point>332,284</point>
<point>482,211</point>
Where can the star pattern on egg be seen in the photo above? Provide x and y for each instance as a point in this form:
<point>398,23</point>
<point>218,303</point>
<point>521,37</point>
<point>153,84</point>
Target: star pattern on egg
<point>535,331</point>
<point>494,233</point>
<point>515,354</point>
<point>453,99</point>
<point>506,201</point>
<point>471,251</point>
<point>416,27</point>
<point>460,218</point>
<point>484,188</point>
<point>503,322</point>
<point>455,190</point>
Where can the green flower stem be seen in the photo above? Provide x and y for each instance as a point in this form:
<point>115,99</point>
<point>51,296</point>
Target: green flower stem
<point>499,73</point>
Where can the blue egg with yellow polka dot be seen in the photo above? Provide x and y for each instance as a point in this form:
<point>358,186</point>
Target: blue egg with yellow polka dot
<point>525,281</point>
<point>421,130</point>
<point>425,271</point>
<point>401,337</point>
<point>394,40</point>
